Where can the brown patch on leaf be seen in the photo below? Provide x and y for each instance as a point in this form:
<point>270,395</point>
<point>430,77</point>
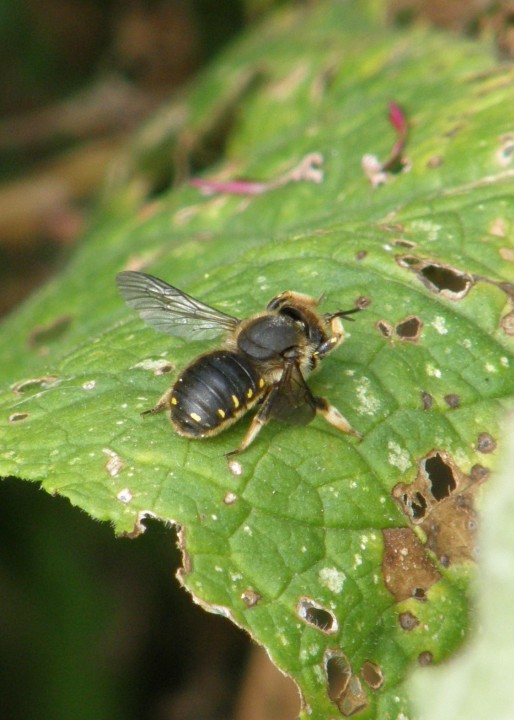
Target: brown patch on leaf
<point>372,675</point>
<point>361,254</point>
<point>507,323</point>
<point>485,443</point>
<point>344,688</point>
<point>439,278</point>
<point>425,658</point>
<point>250,597</point>
<point>409,329</point>
<point>452,400</point>
<point>441,501</point>
<point>408,621</point>
<point>435,162</point>
<point>362,302</point>
<point>498,227</point>
<point>427,400</point>
<point>114,463</point>
<point>506,254</point>
<point>401,242</point>
<point>407,570</point>
<point>479,473</point>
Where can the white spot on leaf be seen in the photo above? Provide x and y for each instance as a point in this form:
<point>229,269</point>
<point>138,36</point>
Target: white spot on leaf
<point>439,323</point>
<point>114,464</point>
<point>369,403</point>
<point>124,496</point>
<point>433,371</point>
<point>398,456</point>
<point>332,578</point>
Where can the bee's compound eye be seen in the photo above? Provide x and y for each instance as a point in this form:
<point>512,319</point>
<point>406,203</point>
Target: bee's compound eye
<point>276,302</point>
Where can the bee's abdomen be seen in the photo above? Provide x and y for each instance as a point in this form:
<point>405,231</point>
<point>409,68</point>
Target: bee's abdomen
<point>212,392</point>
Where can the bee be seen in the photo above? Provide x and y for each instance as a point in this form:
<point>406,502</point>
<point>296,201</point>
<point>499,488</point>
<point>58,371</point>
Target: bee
<point>263,361</point>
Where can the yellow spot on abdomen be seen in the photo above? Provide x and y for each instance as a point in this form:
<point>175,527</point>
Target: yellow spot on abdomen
<point>195,417</point>
<point>261,383</point>
<point>235,400</point>
<point>174,401</point>
<point>249,394</point>
<point>221,413</point>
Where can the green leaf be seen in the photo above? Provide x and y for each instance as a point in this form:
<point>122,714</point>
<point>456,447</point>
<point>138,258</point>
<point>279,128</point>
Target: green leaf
<point>348,560</point>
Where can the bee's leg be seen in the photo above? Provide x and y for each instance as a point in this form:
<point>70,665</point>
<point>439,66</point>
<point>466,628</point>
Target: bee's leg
<point>330,344</point>
<point>332,415</point>
<point>337,331</point>
<point>163,403</point>
<point>258,422</point>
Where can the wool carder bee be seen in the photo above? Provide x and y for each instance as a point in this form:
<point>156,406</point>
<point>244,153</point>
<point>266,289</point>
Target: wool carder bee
<point>263,361</point>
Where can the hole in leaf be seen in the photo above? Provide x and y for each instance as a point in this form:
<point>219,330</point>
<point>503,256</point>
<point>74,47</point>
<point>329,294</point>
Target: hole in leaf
<point>447,280</point>
<point>418,505</point>
<point>338,672</point>
<point>409,261</point>
<point>372,675</point>
<point>409,329</point>
<point>441,477</point>
<point>317,616</point>
<point>384,328</point>
<point>18,417</point>
<point>419,594</point>
<point>441,501</point>
<point>438,278</point>
<point>343,687</point>
<point>34,384</point>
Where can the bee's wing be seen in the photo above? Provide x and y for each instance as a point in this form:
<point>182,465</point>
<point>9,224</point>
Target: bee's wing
<point>169,310</point>
<point>292,400</point>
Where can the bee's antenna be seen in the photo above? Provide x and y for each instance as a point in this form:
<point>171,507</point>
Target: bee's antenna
<point>344,313</point>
